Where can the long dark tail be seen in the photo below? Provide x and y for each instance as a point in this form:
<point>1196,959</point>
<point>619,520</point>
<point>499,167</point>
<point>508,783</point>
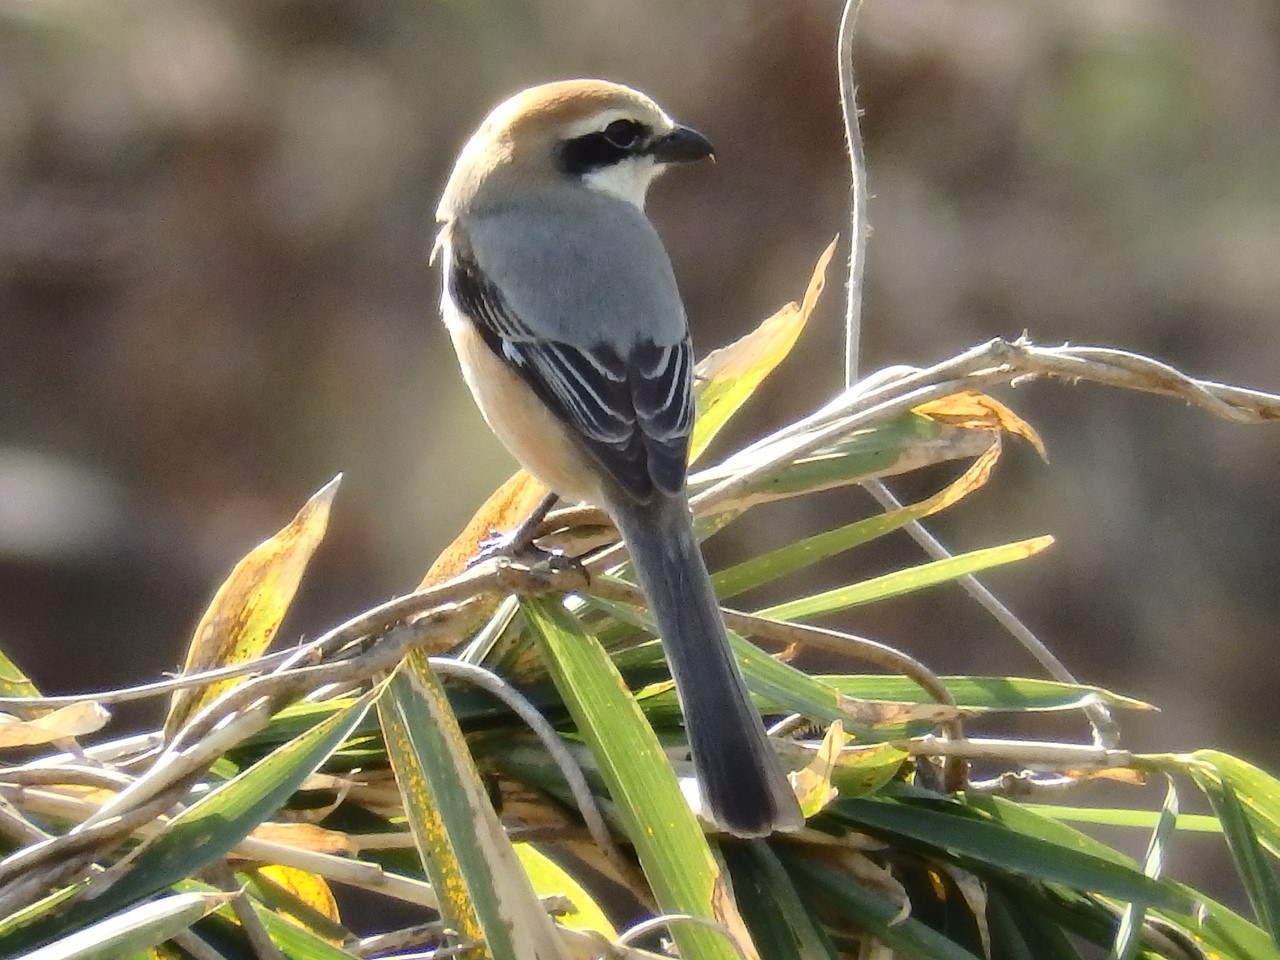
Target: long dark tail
<point>743,786</point>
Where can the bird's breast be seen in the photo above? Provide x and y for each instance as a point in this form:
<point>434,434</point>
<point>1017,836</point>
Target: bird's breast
<point>521,421</point>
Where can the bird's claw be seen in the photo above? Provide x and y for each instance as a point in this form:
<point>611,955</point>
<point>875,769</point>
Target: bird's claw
<point>513,547</point>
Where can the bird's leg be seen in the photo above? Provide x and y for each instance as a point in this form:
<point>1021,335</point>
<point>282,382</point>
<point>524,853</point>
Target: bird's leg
<point>518,544</point>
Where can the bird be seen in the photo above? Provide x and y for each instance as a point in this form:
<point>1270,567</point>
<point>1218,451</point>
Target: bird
<point>562,306</point>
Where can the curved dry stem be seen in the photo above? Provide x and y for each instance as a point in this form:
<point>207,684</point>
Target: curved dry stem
<point>858,223</point>
<point>579,789</point>
<point>667,919</point>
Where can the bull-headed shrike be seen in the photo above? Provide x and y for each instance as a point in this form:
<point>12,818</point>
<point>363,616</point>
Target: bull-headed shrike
<point>564,312</point>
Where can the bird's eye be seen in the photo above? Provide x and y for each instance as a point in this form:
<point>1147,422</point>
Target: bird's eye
<point>625,134</point>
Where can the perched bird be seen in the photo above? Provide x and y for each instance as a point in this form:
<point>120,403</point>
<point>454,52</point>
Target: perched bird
<point>563,308</point>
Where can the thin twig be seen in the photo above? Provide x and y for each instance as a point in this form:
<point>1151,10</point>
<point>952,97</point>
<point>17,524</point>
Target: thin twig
<point>1047,754</point>
<point>191,943</point>
<point>156,688</point>
<point>1106,732</point>
<point>364,874</point>
<point>100,778</point>
<point>1121,368</point>
<point>667,919</point>
<point>857,193</point>
<point>419,935</point>
<point>16,827</point>
<point>64,856</point>
<point>34,885</point>
<point>994,362</point>
<point>260,942</point>
<point>1023,783</point>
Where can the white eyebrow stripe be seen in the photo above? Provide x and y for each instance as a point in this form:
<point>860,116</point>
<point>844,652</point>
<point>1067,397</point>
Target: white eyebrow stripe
<point>596,122</point>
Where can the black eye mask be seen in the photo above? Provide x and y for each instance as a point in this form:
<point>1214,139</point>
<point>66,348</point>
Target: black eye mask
<point>595,151</point>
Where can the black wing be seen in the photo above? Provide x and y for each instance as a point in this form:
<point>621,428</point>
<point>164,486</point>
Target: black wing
<point>633,413</point>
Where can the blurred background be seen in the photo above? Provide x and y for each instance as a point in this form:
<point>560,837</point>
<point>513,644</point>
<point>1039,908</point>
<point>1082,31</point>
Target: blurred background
<point>214,296</point>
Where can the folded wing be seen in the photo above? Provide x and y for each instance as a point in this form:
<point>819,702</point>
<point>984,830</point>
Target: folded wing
<point>632,410</point>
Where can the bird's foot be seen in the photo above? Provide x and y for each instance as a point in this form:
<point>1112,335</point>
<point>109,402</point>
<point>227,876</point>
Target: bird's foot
<point>512,546</point>
<point>519,544</point>
<point>511,552</point>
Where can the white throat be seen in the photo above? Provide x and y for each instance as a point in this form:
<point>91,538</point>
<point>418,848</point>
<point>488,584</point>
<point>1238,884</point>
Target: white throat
<point>627,180</point>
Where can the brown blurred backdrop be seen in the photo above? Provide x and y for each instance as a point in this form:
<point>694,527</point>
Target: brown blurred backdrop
<point>214,296</point>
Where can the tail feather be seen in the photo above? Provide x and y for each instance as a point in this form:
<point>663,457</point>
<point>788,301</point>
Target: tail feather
<point>743,785</point>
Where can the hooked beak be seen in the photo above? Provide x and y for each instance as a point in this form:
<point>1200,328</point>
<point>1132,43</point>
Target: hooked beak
<point>681,145</point>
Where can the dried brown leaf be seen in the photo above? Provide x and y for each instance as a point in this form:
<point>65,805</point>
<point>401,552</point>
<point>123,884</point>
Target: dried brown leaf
<point>74,720</point>
<point>977,411</point>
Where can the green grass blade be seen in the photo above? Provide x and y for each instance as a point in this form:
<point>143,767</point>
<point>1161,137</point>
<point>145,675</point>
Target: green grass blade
<point>905,581</point>
<point>134,930</point>
<point>1256,875</point>
<point>1025,934</point>
<point>214,824</point>
<point>484,892</point>
<point>793,557</point>
<point>997,846</point>
<point>198,836</point>
<point>908,938</point>
<point>787,688</point>
<point>1120,817</point>
<point>1210,924</point>
<point>984,694</point>
<point>891,447</point>
<point>1128,934</point>
<point>205,831</point>
<point>1247,803</point>
<point>1257,791</point>
<point>782,925</point>
<point>10,925</point>
<point>13,682</point>
<point>295,942</point>
<point>668,840</point>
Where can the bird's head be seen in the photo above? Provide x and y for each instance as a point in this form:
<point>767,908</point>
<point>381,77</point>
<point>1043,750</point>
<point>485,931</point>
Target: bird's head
<point>591,133</point>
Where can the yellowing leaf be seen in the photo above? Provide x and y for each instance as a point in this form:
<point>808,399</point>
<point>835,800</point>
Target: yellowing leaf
<point>247,610</point>
<point>549,879</point>
<point>863,770</point>
<point>484,894</point>
<point>728,376</point>
<point>74,720</point>
<point>726,913</point>
<point>813,784</point>
<point>981,412</point>
<point>503,511</point>
<point>978,473</point>
<point>310,888</point>
<point>13,682</point>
